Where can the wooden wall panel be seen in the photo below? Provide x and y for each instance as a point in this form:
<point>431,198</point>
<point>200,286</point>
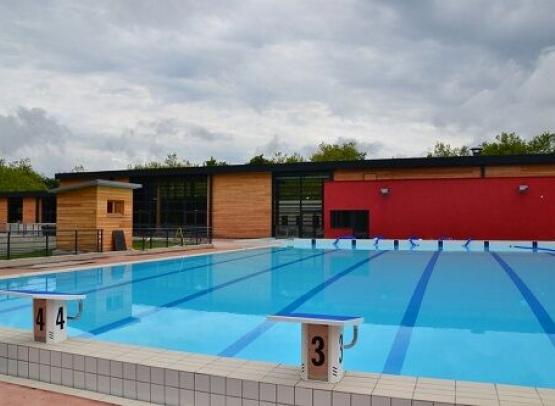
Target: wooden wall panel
<point>3,210</point>
<point>407,173</point>
<point>86,210</point>
<point>29,210</point>
<point>110,222</point>
<point>520,171</point>
<point>75,210</point>
<point>242,205</point>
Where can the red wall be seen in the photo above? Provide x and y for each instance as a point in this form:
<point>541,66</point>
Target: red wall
<point>485,208</point>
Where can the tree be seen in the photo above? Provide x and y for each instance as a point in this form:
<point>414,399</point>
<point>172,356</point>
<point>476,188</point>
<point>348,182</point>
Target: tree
<point>542,144</point>
<point>346,151</point>
<point>259,160</point>
<point>171,161</point>
<point>446,150</point>
<point>284,158</point>
<point>505,144</point>
<point>20,176</point>
<point>213,162</point>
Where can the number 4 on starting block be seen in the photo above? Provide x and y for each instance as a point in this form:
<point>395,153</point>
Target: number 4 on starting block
<point>49,313</point>
<point>322,343</point>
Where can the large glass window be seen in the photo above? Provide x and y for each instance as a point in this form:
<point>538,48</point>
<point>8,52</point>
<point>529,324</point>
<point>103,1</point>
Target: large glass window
<point>15,210</point>
<point>48,209</point>
<point>170,202</point>
<point>298,205</point>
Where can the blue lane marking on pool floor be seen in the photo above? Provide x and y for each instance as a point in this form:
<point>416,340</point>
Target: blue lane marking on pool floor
<point>535,305</point>
<point>252,335</point>
<point>398,352</point>
<point>146,278</point>
<point>192,296</point>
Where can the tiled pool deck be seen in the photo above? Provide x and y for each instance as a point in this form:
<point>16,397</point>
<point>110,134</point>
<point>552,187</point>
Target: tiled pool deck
<point>178,378</point>
<point>114,371</point>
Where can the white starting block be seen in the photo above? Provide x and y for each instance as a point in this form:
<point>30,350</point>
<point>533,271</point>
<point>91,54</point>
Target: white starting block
<point>322,343</point>
<point>49,313</point>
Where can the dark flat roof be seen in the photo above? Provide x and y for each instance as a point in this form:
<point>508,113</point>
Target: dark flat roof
<point>480,160</point>
<point>26,193</point>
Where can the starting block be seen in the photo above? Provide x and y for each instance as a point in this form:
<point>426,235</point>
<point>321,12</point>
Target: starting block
<point>322,343</point>
<point>49,313</point>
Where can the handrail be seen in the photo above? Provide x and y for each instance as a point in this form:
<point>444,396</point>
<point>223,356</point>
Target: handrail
<point>343,237</point>
<point>412,243</point>
<point>467,243</point>
<point>354,340</point>
<point>377,240</point>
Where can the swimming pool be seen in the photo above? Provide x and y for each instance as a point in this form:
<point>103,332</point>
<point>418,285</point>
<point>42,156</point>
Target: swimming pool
<point>459,315</point>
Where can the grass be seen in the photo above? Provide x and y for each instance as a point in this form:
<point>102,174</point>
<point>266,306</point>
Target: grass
<point>28,254</point>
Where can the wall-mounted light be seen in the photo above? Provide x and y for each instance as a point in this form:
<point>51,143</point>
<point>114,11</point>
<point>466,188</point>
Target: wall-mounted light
<point>522,188</point>
<point>476,150</point>
<point>384,191</point>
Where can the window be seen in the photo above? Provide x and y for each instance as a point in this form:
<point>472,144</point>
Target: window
<point>15,210</point>
<point>115,207</point>
<point>353,219</point>
<point>298,204</point>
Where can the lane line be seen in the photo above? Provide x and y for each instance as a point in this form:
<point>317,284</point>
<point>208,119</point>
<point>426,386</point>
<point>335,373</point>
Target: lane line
<point>541,314</point>
<point>398,352</point>
<point>204,292</point>
<point>146,278</point>
<point>237,346</point>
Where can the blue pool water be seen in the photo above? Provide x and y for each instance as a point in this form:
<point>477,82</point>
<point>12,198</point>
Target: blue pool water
<point>457,315</point>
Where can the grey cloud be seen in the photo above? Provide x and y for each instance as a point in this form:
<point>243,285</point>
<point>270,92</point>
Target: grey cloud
<point>28,127</point>
<point>136,80</point>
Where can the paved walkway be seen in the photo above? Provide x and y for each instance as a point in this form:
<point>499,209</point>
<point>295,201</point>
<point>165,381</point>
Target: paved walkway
<point>72,262</point>
<point>22,396</point>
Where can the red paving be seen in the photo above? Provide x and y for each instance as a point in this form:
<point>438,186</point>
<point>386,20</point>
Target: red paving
<point>75,262</point>
<point>11,394</point>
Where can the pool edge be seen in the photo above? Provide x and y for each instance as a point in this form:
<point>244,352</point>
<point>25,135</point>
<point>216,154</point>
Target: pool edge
<point>172,377</point>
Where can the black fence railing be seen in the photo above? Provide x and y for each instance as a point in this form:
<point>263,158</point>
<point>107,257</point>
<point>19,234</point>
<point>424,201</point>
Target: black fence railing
<point>27,228</point>
<point>148,238</point>
<point>49,242</point>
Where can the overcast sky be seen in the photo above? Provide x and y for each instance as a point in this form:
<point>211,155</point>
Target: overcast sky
<point>106,83</point>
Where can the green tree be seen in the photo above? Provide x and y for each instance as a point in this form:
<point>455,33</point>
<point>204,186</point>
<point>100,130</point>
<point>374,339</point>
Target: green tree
<point>259,160</point>
<point>171,161</point>
<point>446,150</point>
<point>283,158</point>
<point>213,162</point>
<point>505,144</point>
<point>20,176</point>
<point>346,151</point>
<point>542,144</point>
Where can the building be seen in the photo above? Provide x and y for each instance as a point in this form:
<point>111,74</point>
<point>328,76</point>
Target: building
<point>27,207</point>
<point>494,197</point>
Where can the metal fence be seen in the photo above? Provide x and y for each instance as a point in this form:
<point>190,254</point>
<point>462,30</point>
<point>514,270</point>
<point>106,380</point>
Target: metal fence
<point>148,238</point>
<point>27,228</point>
<point>49,242</point>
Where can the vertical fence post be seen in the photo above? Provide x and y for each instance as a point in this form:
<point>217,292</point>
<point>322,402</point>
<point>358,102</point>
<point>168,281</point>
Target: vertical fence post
<point>196,235</point>
<point>101,240</point>
<point>144,240</point>
<point>167,238</point>
<point>8,244</point>
<point>75,241</point>
<point>47,249</point>
<point>151,239</point>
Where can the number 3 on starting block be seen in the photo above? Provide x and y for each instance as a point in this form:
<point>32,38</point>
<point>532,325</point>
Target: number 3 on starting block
<point>322,344</point>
